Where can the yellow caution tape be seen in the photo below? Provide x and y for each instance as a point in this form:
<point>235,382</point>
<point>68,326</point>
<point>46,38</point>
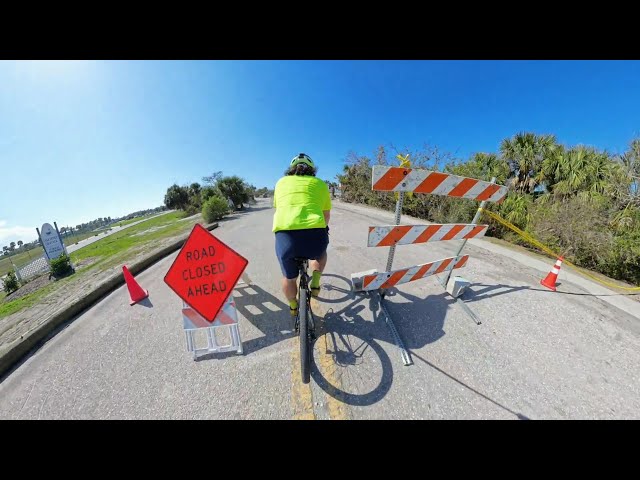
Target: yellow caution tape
<point>547,250</point>
<point>404,163</point>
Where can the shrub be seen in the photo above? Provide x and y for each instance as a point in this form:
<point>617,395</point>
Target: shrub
<point>11,283</point>
<point>61,266</point>
<point>190,210</point>
<point>214,209</point>
<point>207,192</point>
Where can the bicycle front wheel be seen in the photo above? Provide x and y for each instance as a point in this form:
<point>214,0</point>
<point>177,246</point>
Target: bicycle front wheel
<point>305,367</point>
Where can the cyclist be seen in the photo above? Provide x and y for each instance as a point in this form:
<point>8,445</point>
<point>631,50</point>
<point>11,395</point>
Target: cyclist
<point>301,225</point>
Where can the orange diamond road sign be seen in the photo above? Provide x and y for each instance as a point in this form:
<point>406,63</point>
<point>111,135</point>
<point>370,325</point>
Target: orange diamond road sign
<point>205,272</point>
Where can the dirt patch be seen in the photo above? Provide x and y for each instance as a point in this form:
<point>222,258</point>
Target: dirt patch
<point>43,280</point>
<point>35,284</point>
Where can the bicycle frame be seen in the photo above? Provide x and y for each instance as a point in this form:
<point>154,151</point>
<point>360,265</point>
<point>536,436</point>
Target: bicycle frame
<point>304,278</point>
<point>305,324</point>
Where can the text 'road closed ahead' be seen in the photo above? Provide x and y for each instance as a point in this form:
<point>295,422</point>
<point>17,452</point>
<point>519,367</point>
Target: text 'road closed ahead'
<point>205,272</point>
<point>209,274</point>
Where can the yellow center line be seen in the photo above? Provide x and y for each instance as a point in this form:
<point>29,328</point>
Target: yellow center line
<point>337,409</point>
<point>301,398</point>
<point>301,394</point>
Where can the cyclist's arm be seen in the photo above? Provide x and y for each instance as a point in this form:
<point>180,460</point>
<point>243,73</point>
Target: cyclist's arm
<point>326,204</point>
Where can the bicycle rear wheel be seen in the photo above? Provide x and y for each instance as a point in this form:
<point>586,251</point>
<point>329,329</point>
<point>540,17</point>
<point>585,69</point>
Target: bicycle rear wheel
<point>305,364</point>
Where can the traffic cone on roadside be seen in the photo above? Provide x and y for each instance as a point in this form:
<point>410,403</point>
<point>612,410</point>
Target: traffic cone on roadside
<point>550,280</point>
<point>136,292</point>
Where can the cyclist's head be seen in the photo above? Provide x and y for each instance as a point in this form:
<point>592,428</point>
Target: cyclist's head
<point>301,164</point>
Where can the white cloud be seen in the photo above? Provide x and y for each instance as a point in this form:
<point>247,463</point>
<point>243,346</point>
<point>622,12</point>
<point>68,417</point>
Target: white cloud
<point>13,234</point>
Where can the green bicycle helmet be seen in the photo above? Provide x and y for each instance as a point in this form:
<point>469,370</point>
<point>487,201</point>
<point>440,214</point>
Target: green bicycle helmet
<point>302,158</point>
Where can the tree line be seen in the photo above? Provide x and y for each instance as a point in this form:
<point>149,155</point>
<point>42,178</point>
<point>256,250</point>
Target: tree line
<point>217,197</point>
<point>580,201</point>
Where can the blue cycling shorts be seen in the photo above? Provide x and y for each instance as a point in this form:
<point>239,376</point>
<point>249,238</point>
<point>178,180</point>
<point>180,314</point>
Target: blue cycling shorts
<point>311,243</point>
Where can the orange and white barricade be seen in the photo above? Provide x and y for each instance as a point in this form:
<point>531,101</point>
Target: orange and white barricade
<point>402,180</point>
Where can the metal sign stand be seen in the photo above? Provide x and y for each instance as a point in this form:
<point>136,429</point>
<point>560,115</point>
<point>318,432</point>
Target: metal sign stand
<point>212,344</point>
<point>406,358</point>
<point>473,222</point>
<point>64,247</point>
<point>445,282</point>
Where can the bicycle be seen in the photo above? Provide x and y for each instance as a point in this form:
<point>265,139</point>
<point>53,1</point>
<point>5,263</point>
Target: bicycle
<point>304,323</point>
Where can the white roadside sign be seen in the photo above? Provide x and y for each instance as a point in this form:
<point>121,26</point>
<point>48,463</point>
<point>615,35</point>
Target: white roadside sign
<point>51,242</point>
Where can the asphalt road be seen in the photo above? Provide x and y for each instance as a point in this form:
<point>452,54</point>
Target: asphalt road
<point>537,354</point>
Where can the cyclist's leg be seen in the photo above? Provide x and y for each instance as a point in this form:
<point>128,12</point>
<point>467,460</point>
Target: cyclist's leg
<point>317,267</point>
<point>289,288</point>
<point>319,262</point>
<point>286,254</point>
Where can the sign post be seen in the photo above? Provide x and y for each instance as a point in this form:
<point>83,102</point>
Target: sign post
<point>204,275</point>
<point>474,222</point>
<point>60,237</point>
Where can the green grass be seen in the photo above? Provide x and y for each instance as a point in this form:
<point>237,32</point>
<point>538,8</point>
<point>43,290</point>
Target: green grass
<point>75,238</point>
<point>111,251</point>
<point>118,242</point>
<point>24,302</point>
<point>131,220</point>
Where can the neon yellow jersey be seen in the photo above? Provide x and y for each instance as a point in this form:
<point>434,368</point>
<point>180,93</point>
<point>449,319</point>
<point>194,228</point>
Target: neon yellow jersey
<point>299,202</point>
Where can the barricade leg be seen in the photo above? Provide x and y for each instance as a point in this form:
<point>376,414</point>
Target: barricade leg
<point>235,336</point>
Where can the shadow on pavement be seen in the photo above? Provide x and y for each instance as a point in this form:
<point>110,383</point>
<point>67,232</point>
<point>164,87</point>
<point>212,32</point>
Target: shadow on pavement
<point>145,302</point>
<point>251,208</point>
<point>348,335</point>
<point>267,313</point>
<point>519,415</point>
<point>473,294</point>
<point>351,342</point>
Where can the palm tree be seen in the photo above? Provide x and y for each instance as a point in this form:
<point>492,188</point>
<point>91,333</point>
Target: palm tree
<point>516,209</point>
<point>490,165</point>
<point>233,188</point>
<point>20,244</point>
<point>631,165</point>
<point>571,174</point>
<point>551,168</point>
<point>581,171</point>
<point>525,153</point>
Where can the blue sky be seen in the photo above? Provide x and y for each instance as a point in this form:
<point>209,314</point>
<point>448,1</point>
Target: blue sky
<point>86,139</point>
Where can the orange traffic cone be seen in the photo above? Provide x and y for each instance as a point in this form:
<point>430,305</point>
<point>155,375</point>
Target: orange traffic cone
<point>136,292</point>
<point>550,280</point>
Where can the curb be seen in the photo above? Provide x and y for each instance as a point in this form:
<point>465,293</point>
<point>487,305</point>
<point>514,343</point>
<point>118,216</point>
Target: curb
<point>38,336</point>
